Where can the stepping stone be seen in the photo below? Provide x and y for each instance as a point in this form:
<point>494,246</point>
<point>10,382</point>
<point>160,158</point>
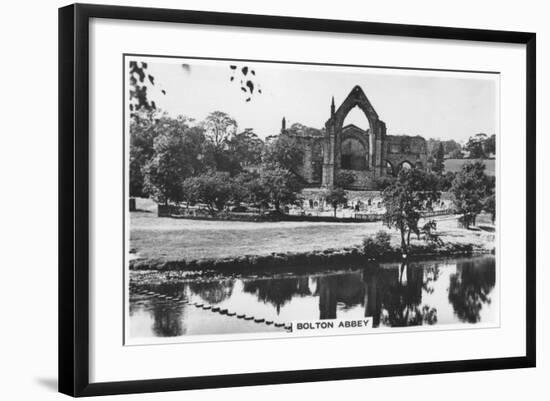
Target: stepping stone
<point>248,317</point>
<point>199,305</point>
<point>241,316</point>
<point>223,311</point>
<point>260,320</point>
<point>279,324</point>
<point>231,313</point>
<point>207,307</point>
<point>269,322</point>
<point>215,308</point>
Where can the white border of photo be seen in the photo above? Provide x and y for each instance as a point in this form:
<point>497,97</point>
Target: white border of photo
<point>111,360</point>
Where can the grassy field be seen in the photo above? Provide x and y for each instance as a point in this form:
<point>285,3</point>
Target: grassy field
<point>455,165</point>
<point>152,237</point>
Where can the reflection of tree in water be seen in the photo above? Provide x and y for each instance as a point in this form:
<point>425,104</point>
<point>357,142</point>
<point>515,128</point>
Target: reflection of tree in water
<point>401,299</point>
<point>350,289</point>
<point>394,295</point>
<point>278,291</point>
<point>431,274</point>
<point>167,319</point>
<point>212,292</point>
<point>470,287</point>
<point>169,289</point>
<point>332,289</point>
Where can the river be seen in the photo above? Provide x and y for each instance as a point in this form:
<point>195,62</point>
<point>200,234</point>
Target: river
<point>430,292</point>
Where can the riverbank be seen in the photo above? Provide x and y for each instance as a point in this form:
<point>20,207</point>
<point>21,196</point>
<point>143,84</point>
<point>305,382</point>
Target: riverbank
<point>314,259</point>
<point>174,244</point>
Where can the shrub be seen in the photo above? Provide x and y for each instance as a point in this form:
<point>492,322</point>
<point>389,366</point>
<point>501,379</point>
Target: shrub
<point>344,178</point>
<point>378,245</point>
<point>382,183</point>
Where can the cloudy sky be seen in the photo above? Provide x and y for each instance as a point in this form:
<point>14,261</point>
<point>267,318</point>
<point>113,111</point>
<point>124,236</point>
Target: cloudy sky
<point>440,104</point>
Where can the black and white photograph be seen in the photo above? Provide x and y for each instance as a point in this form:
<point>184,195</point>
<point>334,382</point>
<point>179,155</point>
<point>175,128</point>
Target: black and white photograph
<point>277,199</point>
<point>273,201</point>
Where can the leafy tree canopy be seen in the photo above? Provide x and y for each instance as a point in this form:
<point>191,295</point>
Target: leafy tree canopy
<point>481,146</point>
<point>335,197</point>
<point>177,150</point>
<point>412,193</point>
<point>219,128</point>
<point>283,152</point>
<point>281,187</point>
<point>247,147</point>
<point>470,188</point>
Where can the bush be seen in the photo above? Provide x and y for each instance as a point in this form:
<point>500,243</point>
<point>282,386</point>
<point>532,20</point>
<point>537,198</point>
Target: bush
<point>344,179</point>
<point>377,246</point>
<point>382,183</point>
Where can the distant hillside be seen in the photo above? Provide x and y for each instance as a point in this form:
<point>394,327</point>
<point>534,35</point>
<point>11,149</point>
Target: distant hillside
<point>455,165</point>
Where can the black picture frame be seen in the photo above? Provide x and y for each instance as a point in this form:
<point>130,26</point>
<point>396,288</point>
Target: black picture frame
<point>74,198</point>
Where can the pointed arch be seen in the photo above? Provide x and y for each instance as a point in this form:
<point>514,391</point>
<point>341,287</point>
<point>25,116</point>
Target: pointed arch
<point>390,169</point>
<point>355,98</point>
<point>405,164</point>
<point>373,160</point>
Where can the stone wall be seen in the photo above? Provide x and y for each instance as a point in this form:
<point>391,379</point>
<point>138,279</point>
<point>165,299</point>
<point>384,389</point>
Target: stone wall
<point>401,149</point>
<point>312,164</point>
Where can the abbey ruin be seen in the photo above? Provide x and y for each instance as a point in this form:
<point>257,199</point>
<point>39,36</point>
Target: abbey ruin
<point>366,154</point>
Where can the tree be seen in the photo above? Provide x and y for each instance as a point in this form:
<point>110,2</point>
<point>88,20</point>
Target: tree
<point>378,245</point>
<point>439,159</point>
<point>446,180</point>
<point>490,145</point>
<point>304,130</point>
<point>283,152</point>
<point>456,154</point>
<point>451,146</point>
<point>469,189</point>
<point>245,187</point>
<point>225,160</point>
<point>214,189</point>
<point>176,156</point>
<point>219,127</point>
<point>489,205</point>
<point>142,136</point>
<point>381,183</point>
<point>412,193</point>
<point>281,187</point>
<point>247,147</point>
<point>138,87</point>
<point>476,146</point>
<point>335,197</point>
<point>256,193</point>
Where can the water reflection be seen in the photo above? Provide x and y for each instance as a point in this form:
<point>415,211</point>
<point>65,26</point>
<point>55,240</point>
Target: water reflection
<point>278,291</point>
<point>213,292</point>
<point>394,295</point>
<point>167,320</point>
<point>470,287</point>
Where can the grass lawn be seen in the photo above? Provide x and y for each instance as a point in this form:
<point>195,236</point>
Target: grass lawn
<point>166,238</point>
<point>455,165</point>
